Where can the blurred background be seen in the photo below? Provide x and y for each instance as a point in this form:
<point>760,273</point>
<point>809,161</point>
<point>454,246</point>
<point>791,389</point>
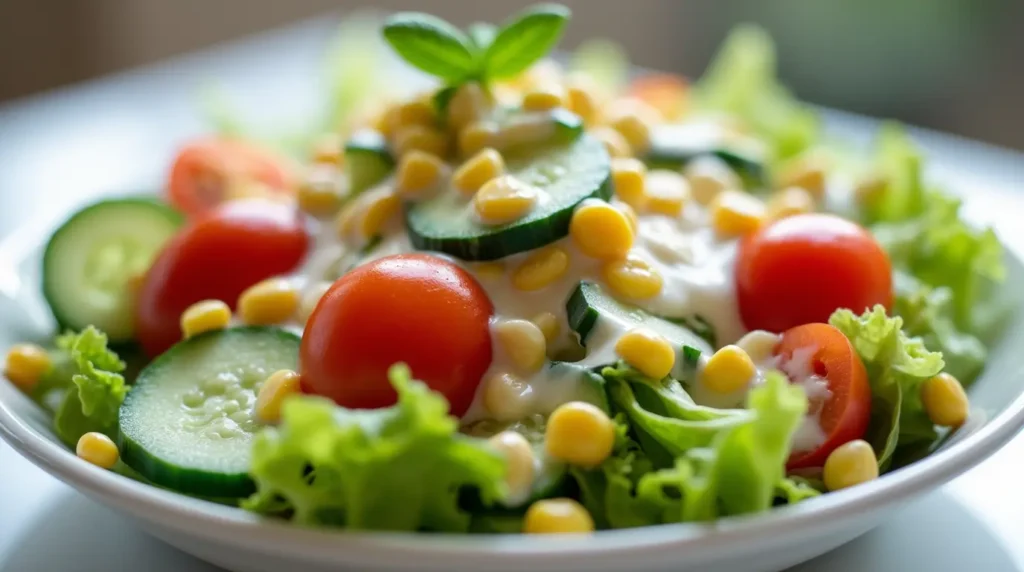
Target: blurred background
<point>953,65</point>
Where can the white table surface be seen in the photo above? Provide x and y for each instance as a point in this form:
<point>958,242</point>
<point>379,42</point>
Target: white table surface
<point>118,133</point>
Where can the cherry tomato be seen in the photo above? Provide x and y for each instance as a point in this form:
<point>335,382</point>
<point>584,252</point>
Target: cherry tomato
<point>800,269</point>
<point>216,256</point>
<point>208,172</point>
<point>412,308</point>
<point>667,93</point>
<point>844,414</point>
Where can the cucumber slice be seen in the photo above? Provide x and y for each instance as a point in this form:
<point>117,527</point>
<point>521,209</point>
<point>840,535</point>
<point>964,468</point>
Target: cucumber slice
<point>673,146</point>
<point>188,422</point>
<point>591,310</point>
<point>367,159</point>
<point>568,174</point>
<point>592,388</point>
<point>90,259</point>
<point>556,127</point>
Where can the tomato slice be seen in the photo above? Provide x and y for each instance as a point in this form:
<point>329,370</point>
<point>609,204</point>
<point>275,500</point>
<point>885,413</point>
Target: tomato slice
<point>208,172</point>
<point>844,414</point>
<point>667,93</point>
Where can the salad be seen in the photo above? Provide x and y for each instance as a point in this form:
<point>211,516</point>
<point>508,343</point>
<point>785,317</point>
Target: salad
<point>534,298</point>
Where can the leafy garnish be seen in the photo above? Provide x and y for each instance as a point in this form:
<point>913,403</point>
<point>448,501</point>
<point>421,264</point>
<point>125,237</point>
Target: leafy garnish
<point>525,39</point>
<point>432,45</point>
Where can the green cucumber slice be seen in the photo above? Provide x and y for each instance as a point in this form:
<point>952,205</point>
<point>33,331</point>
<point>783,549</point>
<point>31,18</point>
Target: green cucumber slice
<point>90,259</point>
<point>592,388</point>
<point>188,422</point>
<point>568,174</point>
<point>590,310</point>
<point>673,146</point>
<point>367,160</point>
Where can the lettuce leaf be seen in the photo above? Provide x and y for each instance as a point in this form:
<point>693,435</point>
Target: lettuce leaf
<point>400,468</point>
<point>896,365</point>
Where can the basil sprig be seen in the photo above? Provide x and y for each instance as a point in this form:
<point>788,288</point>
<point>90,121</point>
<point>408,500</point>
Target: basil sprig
<point>483,54</point>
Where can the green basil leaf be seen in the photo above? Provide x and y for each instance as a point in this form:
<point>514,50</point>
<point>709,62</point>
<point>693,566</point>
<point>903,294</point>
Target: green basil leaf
<point>431,44</point>
<point>524,40</point>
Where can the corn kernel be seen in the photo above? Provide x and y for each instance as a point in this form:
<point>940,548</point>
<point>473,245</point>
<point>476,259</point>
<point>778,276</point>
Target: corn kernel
<point>735,213</point>
<point>489,270</point>
<point>507,397</point>
<point>728,370</point>
<point>388,121</point>
<point>549,326</point>
<point>789,202</point>
<point>98,449</point>
<point>477,170</point>
<point>311,298</point>
<point>378,209</point>
<point>544,97</point>
<point>519,462</point>
<point>666,193</point>
<point>557,516</point>
<point>320,194</point>
<point>580,434</point>
<point>417,172</point>
<point>629,178</point>
<point>628,212</point>
<point>272,301</point>
<point>523,343</point>
<point>477,136</point>
<point>328,149</point>
<point>601,231</point>
<point>647,352</point>
<point>581,99</point>
<point>419,111</point>
<point>614,142</point>
<point>420,138</point>
<point>541,268</point>
<point>852,463</point>
<point>26,365</point>
<point>759,344</point>
<point>633,119</point>
<point>709,176</point>
<point>944,400</point>
<point>504,199</point>
<point>632,278</point>
<point>808,172</point>
<point>205,316</point>
<point>469,103</point>
<point>280,385</point>
<point>869,190</point>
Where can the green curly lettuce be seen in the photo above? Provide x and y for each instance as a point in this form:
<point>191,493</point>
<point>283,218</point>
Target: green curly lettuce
<point>401,468</point>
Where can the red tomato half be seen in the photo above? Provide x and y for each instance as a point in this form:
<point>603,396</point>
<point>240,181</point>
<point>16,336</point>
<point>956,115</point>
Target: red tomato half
<point>216,256</point>
<point>800,269</point>
<point>209,171</point>
<point>412,308</point>
<point>844,414</point>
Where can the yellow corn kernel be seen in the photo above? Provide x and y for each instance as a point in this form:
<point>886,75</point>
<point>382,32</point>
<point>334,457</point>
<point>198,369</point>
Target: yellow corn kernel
<point>549,326</point>
<point>378,210</point>
<point>852,463</point>
<point>26,365</point>
<point>98,449</point>
<point>507,397</point>
<point>666,193</point>
<point>869,189</point>
<point>580,99</point>
<point>557,516</point>
<point>728,370</point>
<point>280,385</point>
<point>477,136</point>
<point>319,194</point>
<point>504,199</point>
<point>489,270</point>
<point>311,298</point>
<point>523,342</point>
<point>629,178</point>
<point>789,202</point>
<point>205,316</point>
<point>709,176</point>
<point>735,213</point>
<point>541,269</point>
<point>944,400</point>
<point>419,111</point>
<point>633,119</point>
<point>420,138</point>
<point>808,172</point>
<point>632,278</point>
<point>601,231</point>
<point>629,212</point>
<point>759,344</point>
<point>272,301</point>
<point>328,149</point>
<point>417,172</point>
<point>647,352</point>
<point>387,122</point>
<point>579,433</point>
<point>477,170</point>
<point>614,142</point>
<point>544,97</point>
<point>519,463</point>
<point>469,103</point>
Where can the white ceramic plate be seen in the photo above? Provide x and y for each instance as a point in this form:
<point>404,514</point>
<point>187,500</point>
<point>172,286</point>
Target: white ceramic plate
<point>243,542</point>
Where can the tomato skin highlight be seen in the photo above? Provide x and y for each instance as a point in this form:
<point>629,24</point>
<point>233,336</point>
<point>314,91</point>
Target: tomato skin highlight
<point>845,414</point>
<point>216,256</point>
<point>800,269</point>
<point>414,308</point>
